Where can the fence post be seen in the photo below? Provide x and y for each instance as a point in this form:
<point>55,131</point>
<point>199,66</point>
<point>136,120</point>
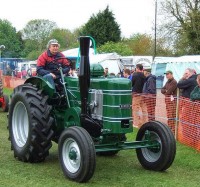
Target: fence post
<point>177,114</point>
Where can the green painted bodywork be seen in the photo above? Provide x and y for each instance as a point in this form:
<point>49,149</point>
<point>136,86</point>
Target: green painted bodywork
<point>116,101</point>
<point>42,84</point>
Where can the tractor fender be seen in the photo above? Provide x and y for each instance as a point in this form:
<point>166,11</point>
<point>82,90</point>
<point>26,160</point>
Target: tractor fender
<point>41,84</point>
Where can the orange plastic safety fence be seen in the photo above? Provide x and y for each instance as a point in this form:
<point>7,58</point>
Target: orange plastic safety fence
<point>189,123</point>
<point>11,82</point>
<point>147,107</point>
<point>150,107</point>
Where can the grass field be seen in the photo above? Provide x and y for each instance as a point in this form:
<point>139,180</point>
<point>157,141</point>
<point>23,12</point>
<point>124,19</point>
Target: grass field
<point>118,171</point>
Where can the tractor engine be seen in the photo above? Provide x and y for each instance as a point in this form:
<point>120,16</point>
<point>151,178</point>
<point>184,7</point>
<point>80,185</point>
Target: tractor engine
<point>109,100</point>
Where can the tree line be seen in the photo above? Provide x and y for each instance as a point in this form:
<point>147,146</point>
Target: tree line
<point>178,33</point>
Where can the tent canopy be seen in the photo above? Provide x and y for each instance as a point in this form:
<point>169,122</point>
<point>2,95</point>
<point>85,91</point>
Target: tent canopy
<point>107,60</point>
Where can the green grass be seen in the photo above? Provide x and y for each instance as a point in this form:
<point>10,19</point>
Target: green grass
<point>118,171</point>
<point>7,91</point>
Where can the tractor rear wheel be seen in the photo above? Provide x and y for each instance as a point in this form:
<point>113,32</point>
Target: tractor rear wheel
<point>157,158</point>
<point>77,154</point>
<point>30,124</point>
<point>5,103</point>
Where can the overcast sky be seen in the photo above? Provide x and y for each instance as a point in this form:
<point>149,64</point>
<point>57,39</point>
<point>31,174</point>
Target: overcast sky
<point>132,15</point>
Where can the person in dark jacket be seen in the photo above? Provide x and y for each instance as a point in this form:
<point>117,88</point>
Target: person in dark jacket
<point>138,104</point>
<point>149,90</point>
<point>195,94</point>
<point>187,82</point>
<point>170,87</point>
<point>195,112</point>
<point>170,92</point>
<point>138,79</point>
<point>150,82</point>
<point>47,65</point>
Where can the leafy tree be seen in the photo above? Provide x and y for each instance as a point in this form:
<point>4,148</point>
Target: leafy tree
<point>33,55</point>
<point>31,50</point>
<point>140,44</point>
<point>119,48</point>
<point>183,24</point>
<point>103,27</point>
<point>162,49</point>
<point>38,30</point>
<point>11,39</point>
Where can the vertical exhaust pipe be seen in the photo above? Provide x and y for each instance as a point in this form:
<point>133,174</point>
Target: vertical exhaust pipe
<point>84,72</point>
<point>93,127</point>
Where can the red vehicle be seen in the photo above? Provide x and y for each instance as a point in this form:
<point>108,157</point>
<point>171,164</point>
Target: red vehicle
<point>4,100</point>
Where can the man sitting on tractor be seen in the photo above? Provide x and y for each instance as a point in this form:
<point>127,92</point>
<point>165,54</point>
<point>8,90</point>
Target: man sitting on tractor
<point>49,62</point>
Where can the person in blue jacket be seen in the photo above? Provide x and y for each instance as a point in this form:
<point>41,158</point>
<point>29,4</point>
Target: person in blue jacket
<point>127,74</point>
<point>149,91</point>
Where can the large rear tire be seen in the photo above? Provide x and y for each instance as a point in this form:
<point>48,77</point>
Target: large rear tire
<point>30,124</point>
<point>160,158</point>
<point>77,154</point>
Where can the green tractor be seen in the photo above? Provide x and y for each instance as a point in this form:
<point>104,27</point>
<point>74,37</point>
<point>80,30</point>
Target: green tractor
<point>89,116</point>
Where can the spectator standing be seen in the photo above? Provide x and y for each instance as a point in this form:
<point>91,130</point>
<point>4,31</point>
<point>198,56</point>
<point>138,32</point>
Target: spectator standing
<point>170,92</point>
<point>127,74</point>
<point>106,74</point>
<point>195,112</point>
<point>187,82</point>
<point>139,108</point>
<point>195,94</point>
<point>8,76</point>
<point>8,71</point>
<point>149,90</point>
<point>24,72</point>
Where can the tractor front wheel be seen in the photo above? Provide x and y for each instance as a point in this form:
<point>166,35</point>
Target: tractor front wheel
<point>161,157</point>
<point>77,154</point>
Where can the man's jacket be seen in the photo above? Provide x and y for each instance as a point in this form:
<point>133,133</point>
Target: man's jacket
<point>170,87</point>
<point>138,80</point>
<point>150,85</point>
<point>46,64</point>
<point>187,85</point>
<point>195,94</point>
